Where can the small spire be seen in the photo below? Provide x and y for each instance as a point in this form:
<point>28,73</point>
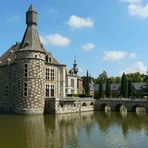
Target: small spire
<point>31,8</point>
<point>75,59</point>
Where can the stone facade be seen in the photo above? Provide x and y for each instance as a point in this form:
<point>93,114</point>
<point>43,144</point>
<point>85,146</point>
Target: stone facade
<point>30,75</point>
<point>69,105</point>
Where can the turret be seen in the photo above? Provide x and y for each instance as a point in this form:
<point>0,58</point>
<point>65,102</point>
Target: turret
<point>30,67</point>
<point>31,16</point>
<point>74,70</point>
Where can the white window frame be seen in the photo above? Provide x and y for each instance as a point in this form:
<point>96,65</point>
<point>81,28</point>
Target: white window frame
<point>5,91</point>
<point>25,70</point>
<point>25,89</point>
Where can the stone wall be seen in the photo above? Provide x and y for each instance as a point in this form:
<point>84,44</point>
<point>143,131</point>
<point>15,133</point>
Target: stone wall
<point>34,101</point>
<point>13,76</point>
<point>68,105</point>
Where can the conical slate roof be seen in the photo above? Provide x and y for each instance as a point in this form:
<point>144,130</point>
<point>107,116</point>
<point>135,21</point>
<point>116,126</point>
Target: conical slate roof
<point>31,39</point>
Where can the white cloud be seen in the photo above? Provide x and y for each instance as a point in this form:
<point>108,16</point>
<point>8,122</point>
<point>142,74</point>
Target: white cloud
<point>79,22</point>
<point>136,67</point>
<point>138,10</point>
<point>88,47</point>
<point>55,39</point>
<point>12,18</point>
<point>114,55</point>
<point>117,55</point>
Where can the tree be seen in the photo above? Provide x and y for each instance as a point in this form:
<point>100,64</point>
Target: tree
<point>107,90</point>
<point>135,77</point>
<point>124,86</point>
<point>145,89</point>
<point>102,76</point>
<point>130,89</point>
<point>100,88</point>
<point>115,79</point>
<point>86,84</point>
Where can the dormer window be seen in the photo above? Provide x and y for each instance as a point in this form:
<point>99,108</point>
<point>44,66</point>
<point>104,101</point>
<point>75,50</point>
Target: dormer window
<point>27,43</point>
<point>50,60</point>
<point>46,58</point>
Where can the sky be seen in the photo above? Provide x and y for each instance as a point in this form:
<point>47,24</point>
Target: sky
<point>110,35</point>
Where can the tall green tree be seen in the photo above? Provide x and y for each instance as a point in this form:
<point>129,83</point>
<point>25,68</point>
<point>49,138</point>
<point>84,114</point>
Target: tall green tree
<point>145,89</point>
<point>86,84</point>
<point>107,89</point>
<point>101,88</point>
<point>130,89</point>
<point>124,86</point>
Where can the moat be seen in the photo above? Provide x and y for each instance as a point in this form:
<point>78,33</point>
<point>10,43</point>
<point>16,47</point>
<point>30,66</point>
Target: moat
<point>85,130</point>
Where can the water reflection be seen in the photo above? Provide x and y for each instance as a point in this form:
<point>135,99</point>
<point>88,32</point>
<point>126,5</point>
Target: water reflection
<point>105,129</point>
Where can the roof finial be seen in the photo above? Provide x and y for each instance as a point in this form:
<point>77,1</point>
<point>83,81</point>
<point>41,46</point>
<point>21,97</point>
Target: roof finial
<point>31,8</point>
<point>75,59</point>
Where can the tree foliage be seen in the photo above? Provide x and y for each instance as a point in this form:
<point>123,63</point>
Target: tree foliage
<point>102,76</point>
<point>107,89</point>
<point>130,89</point>
<point>101,88</point>
<point>86,81</point>
<point>115,79</point>
<point>124,86</point>
<point>135,77</point>
<point>145,89</point>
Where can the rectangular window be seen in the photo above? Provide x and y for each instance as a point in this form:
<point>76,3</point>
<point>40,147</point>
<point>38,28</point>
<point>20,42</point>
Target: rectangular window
<point>26,70</point>
<point>25,89</point>
<point>72,92</point>
<point>47,90</point>
<point>72,82</point>
<point>52,74</point>
<point>52,90</point>
<point>47,73</point>
<point>5,91</point>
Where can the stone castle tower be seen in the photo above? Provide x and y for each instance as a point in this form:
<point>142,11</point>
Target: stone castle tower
<point>22,72</point>
<point>30,63</point>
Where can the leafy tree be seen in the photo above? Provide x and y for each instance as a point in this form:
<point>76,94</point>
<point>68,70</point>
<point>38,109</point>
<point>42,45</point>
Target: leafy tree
<point>135,77</point>
<point>145,89</point>
<point>107,90</point>
<point>101,88</point>
<point>124,86</point>
<point>102,76</point>
<point>115,79</point>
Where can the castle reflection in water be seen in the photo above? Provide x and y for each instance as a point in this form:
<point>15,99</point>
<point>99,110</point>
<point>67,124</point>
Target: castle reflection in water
<point>66,130</point>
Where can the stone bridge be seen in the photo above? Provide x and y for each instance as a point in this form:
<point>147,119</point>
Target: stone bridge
<point>75,104</point>
<point>121,105</point>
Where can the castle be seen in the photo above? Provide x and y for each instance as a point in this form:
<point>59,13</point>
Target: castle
<point>29,74</point>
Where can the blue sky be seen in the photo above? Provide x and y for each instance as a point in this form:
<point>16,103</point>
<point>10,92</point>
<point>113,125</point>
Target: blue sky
<point>110,35</point>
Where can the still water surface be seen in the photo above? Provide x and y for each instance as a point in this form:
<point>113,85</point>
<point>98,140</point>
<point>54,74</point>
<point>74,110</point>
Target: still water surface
<point>86,130</point>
